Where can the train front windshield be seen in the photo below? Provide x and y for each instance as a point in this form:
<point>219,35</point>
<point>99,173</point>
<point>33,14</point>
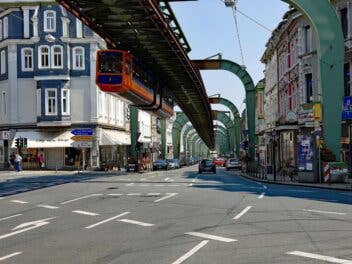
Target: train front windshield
<point>110,62</point>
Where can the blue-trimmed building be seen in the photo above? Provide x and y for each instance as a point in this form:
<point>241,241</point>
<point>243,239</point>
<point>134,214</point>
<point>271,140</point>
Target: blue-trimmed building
<point>47,88</point>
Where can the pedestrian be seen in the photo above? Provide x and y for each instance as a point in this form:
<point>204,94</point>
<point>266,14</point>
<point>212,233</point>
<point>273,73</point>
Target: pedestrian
<point>12,160</point>
<point>41,161</point>
<point>18,161</point>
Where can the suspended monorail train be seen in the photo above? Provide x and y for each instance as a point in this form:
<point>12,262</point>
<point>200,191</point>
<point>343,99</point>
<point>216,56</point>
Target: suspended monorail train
<point>120,72</point>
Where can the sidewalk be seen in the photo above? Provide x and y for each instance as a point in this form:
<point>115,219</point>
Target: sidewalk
<point>286,181</point>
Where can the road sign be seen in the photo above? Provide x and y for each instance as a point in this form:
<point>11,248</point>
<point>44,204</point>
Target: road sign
<point>82,132</point>
<point>82,138</point>
<point>82,144</point>
<point>6,135</point>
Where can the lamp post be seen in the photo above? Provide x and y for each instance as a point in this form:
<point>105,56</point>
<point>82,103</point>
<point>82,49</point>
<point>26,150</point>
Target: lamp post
<point>273,136</point>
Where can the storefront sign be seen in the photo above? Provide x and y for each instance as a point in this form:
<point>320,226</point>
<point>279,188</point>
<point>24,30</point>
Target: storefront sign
<point>305,153</point>
<point>82,144</point>
<point>306,117</point>
<point>347,108</point>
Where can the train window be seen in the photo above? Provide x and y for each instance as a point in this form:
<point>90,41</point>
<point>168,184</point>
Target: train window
<point>110,62</point>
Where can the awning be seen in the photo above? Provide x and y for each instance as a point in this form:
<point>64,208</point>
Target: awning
<point>114,137</point>
<point>38,139</point>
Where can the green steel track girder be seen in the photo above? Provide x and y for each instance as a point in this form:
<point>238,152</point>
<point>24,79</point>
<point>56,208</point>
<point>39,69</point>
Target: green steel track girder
<point>163,137</point>
<point>229,124</point>
<point>181,120</point>
<point>134,127</point>
<point>185,136</point>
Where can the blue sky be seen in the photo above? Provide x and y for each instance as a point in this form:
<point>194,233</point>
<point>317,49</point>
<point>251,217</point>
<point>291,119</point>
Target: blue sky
<point>209,27</point>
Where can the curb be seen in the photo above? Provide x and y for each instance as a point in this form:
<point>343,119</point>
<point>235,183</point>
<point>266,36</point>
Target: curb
<point>295,184</point>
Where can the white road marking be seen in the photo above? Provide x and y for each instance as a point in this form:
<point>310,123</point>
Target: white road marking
<point>10,256</point>
<point>48,206</point>
<point>194,180</point>
<point>114,194</point>
<point>26,227</point>
<point>245,210</point>
<point>169,179</point>
<point>261,196</point>
<point>143,179</point>
<point>135,222</point>
<point>19,201</point>
<point>169,195</point>
<point>152,194</point>
<point>130,184</point>
<point>191,252</point>
<point>9,217</point>
<point>2,198</point>
<point>107,220</point>
<point>84,213</point>
<point>320,257</point>
<point>212,237</point>
<point>323,212</point>
<point>133,194</point>
<point>159,185</point>
<point>83,197</point>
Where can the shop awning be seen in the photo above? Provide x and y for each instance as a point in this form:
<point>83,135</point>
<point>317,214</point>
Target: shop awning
<point>38,139</point>
<point>114,137</point>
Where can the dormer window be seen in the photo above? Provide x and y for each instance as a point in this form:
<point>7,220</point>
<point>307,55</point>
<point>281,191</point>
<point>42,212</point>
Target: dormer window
<point>49,21</point>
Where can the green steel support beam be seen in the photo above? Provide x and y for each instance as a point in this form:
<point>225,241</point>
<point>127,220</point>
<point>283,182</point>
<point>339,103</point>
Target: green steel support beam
<point>185,135</point>
<point>181,120</point>
<point>134,131</point>
<point>163,137</point>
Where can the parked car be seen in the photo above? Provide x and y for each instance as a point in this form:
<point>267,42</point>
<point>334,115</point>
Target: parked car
<point>207,165</point>
<point>174,163</point>
<point>161,165</point>
<point>183,162</point>
<point>233,164</point>
<point>219,162</point>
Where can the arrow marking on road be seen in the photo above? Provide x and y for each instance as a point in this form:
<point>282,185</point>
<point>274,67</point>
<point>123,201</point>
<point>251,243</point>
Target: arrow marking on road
<point>26,227</point>
<point>19,201</point>
<point>10,256</point>
<point>107,220</point>
<point>245,210</point>
<point>83,197</point>
<point>191,252</point>
<point>320,257</point>
<point>212,237</point>
<point>48,206</point>
<point>261,196</point>
<point>169,195</point>
<point>323,212</point>
<point>84,213</point>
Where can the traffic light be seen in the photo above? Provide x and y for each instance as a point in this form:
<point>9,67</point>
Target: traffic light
<point>17,143</point>
<point>21,143</point>
<point>25,142</point>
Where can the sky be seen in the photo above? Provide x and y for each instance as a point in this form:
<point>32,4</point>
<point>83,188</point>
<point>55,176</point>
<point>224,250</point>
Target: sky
<point>210,28</point>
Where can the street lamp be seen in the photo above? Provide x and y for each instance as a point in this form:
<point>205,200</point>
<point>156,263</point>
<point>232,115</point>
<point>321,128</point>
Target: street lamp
<point>273,136</point>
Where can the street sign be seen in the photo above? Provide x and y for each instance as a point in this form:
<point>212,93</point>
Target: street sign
<point>82,144</point>
<point>82,138</point>
<point>6,135</point>
<point>82,132</point>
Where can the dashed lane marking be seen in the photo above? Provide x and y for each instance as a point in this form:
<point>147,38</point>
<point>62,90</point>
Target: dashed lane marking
<point>48,206</point>
<point>169,195</point>
<point>114,194</point>
<point>83,197</point>
<point>10,256</point>
<point>19,201</point>
<point>261,196</point>
<point>107,220</point>
<point>191,252</point>
<point>135,222</point>
<point>134,194</point>
<point>85,213</point>
<point>9,217</point>
<point>152,194</point>
<point>245,210</point>
<point>323,212</point>
<point>130,184</point>
<point>320,257</point>
<point>212,237</point>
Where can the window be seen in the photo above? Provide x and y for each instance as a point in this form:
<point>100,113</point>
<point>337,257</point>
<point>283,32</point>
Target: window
<point>27,59</point>
<point>309,88</point>
<point>347,79</point>
<point>43,57</point>
<point>79,28</point>
<point>344,22</point>
<point>78,58</point>
<point>49,21</point>
<point>3,103</point>
<point>3,62</point>
<point>65,102</point>
<point>0,29</point>
<point>6,27</point>
<point>57,57</point>
<point>51,101</point>
<point>307,39</point>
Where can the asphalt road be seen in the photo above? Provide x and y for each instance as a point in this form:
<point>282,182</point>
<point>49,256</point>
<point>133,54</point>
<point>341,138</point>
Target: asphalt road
<point>175,217</point>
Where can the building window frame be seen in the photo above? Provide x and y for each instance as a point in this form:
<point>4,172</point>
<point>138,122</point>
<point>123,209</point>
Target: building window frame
<point>40,57</point>
<point>27,59</point>
<point>78,59</point>
<point>65,102</point>
<point>51,102</point>
<point>6,27</point>
<point>57,58</point>
<point>3,66</point>
<point>1,29</point>
<point>309,87</point>
<point>49,22</point>
<point>3,103</point>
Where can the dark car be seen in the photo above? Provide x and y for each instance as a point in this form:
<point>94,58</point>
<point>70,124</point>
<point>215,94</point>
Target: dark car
<point>233,164</point>
<point>207,165</point>
<point>160,165</point>
<point>174,163</point>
